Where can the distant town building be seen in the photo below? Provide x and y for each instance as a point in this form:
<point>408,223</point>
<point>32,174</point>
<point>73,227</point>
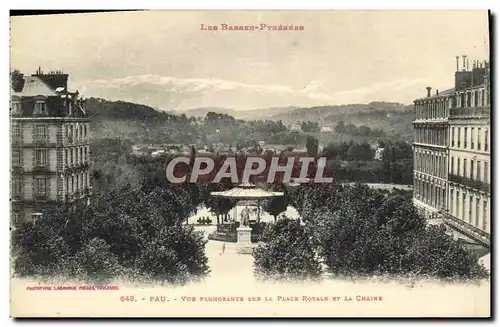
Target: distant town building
<point>379,153</point>
<point>50,147</point>
<point>157,153</point>
<point>452,153</point>
<point>326,129</point>
<point>295,127</point>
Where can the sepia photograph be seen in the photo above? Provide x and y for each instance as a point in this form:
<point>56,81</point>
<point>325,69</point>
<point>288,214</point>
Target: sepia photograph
<point>329,163</point>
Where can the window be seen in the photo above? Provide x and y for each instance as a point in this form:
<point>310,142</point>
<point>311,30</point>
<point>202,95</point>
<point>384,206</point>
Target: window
<point>458,166</point>
<point>86,153</point>
<point>478,171</point>
<point>15,107</point>
<point>66,132</point>
<point>41,157</point>
<point>458,137</point>
<point>15,218</point>
<point>41,186</point>
<point>67,185</point>
<point>85,131</point>
<point>457,203</point>
<point>465,168</point>
<point>66,155</point>
<point>476,98</point>
<point>70,138</point>
<point>486,140</point>
<point>40,107</point>
<point>76,155</point>
<point>16,132</point>
<point>41,133</point>
<point>451,200</point>
<point>465,138</point>
<point>76,134</point>
<point>472,169</point>
<point>17,186</point>
<point>485,172</point>
<point>16,158</point>
<point>452,165</point>
<point>471,200</point>
<point>464,201</point>
<point>71,156</point>
<point>478,212</point>
<point>472,135</point>
<point>482,97</point>
<point>485,214</point>
<point>81,155</point>
<point>453,136</point>
<point>444,197</point>
<point>479,138</point>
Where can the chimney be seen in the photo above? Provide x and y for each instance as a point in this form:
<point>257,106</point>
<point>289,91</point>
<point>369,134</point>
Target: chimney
<point>437,92</point>
<point>428,91</point>
<point>467,64</point>
<point>463,63</point>
<point>458,62</point>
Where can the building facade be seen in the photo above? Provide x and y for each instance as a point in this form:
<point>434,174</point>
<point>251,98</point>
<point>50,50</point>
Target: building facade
<point>452,154</point>
<point>50,149</point>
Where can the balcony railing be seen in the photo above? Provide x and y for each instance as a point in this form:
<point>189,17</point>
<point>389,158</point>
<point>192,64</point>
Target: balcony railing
<point>41,169</point>
<point>467,229</point>
<point>483,111</point>
<point>478,185</point>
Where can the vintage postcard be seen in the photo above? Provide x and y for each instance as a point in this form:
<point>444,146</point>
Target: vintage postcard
<point>251,164</point>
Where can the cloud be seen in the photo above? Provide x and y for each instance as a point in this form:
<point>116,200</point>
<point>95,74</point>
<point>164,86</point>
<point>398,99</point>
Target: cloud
<point>185,93</point>
<point>189,85</point>
<point>386,91</point>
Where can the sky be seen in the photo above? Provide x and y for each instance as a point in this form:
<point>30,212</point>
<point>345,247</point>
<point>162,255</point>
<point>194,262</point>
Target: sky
<point>164,59</point>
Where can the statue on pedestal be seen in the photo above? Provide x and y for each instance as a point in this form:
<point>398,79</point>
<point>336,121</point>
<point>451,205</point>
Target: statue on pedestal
<point>245,216</point>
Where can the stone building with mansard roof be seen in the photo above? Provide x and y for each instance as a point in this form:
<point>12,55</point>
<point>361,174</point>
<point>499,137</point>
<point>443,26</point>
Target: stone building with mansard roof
<point>452,154</point>
<point>50,149</point>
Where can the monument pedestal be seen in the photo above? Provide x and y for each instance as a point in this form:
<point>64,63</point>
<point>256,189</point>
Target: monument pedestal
<point>244,240</point>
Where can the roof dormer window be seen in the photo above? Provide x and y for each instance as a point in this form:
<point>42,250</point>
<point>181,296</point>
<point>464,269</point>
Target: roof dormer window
<point>15,106</point>
<point>40,106</point>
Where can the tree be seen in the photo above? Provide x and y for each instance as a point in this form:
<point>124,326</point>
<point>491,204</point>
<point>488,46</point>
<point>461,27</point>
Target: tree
<point>276,206</point>
<point>286,253</point>
<point>309,126</point>
<point>17,80</point>
<point>369,233</point>
<point>126,233</point>
<point>312,146</point>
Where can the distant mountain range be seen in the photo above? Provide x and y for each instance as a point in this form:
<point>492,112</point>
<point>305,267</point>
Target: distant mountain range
<point>324,115</point>
<point>255,114</point>
<point>130,120</point>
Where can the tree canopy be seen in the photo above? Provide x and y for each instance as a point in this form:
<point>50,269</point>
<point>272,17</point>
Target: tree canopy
<point>126,233</point>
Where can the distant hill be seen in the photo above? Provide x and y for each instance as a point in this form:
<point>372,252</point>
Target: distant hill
<point>332,113</point>
<point>388,116</point>
<point>293,114</point>
<point>255,114</point>
<point>101,108</point>
<point>141,123</point>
